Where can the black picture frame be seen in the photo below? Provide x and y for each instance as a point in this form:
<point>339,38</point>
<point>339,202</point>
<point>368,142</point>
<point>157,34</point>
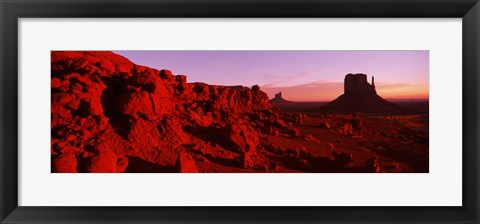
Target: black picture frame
<point>11,11</point>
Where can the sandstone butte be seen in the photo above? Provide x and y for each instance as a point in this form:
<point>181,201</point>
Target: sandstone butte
<point>111,115</point>
<point>278,100</point>
<point>361,96</point>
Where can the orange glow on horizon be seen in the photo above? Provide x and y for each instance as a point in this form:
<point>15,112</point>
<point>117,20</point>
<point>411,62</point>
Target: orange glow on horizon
<point>325,91</point>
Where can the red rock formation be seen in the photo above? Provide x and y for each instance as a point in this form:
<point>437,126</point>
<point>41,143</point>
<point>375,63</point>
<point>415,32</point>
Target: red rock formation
<point>360,96</point>
<point>278,100</point>
<point>105,110</point>
<point>357,84</point>
<point>65,163</point>
<point>342,157</point>
<point>186,164</point>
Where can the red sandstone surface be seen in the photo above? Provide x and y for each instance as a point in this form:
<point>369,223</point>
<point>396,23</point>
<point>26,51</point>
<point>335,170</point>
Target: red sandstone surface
<point>110,115</point>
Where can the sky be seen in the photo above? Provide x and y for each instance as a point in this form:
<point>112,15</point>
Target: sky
<point>300,75</point>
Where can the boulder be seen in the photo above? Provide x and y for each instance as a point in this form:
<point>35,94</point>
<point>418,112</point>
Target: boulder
<point>294,132</point>
<point>346,129</point>
<point>65,163</point>
<point>309,138</point>
<point>246,160</point>
<point>122,164</point>
<point>56,83</point>
<point>104,162</point>
<point>342,157</point>
<point>134,103</point>
<point>325,124</point>
<point>68,149</point>
<point>241,136</point>
<point>371,165</point>
<point>185,163</point>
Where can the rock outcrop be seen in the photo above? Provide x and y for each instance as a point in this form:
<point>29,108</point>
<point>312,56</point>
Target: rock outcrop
<point>278,100</point>
<point>361,96</point>
<point>109,115</point>
<point>186,164</point>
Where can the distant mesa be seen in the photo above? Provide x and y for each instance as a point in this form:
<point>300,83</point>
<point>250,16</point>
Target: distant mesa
<point>357,84</point>
<point>360,96</point>
<point>278,100</point>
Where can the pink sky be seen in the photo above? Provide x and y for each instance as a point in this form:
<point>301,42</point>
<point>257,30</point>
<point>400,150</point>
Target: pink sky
<point>300,75</point>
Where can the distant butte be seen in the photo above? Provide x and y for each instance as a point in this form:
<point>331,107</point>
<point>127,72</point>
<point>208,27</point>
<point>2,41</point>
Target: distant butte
<point>360,96</point>
<point>278,99</point>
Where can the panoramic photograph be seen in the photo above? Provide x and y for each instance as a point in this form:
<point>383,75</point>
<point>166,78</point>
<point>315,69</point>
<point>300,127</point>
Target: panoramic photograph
<point>240,111</point>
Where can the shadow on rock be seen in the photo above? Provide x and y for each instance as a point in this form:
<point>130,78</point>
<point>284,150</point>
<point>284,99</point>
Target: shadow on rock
<point>210,135</point>
<point>138,165</point>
